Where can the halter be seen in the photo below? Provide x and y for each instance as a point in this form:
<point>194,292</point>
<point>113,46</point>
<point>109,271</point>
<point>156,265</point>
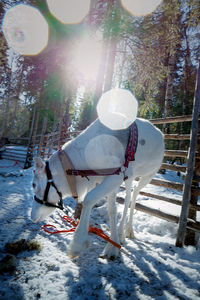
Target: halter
<point>50,183</point>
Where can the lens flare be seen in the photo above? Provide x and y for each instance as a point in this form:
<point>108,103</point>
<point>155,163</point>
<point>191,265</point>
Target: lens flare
<point>140,7</point>
<point>117,109</point>
<point>104,151</point>
<point>69,11</point>
<point>25,29</point>
<point>18,35</point>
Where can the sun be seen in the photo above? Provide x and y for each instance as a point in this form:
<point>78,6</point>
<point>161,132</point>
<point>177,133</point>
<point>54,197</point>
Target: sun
<point>86,55</point>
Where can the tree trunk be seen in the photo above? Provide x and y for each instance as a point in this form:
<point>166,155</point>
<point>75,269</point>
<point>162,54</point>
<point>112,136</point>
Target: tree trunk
<point>169,85</point>
<point>6,106</point>
<point>110,63</point>
<point>121,71</point>
<point>101,73</point>
<point>16,98</point>
<point>169,93</point>
<point>107,63</point>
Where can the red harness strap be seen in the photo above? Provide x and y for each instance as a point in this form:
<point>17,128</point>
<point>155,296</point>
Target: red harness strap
<point>132,145</point>
<point>86,173</point>
<point>129,156</point>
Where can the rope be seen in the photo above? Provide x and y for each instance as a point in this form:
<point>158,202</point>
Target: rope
<point>74,223</point>
<point>15,164</point>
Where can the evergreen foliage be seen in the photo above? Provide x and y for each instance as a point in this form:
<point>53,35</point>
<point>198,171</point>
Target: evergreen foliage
<point>154,56</point>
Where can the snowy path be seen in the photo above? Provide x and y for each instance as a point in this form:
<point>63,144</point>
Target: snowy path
<point>150,266</point>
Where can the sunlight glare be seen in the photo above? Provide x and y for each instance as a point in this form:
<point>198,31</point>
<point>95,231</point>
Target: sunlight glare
<point>117,109</point>
<point>140,7</point>
<point>104,151</point>
<point>69,11</point>
<point>86,58</point>
<point>25,29</point>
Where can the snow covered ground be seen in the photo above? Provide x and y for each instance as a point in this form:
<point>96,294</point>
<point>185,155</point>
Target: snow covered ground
<point>149,267</point>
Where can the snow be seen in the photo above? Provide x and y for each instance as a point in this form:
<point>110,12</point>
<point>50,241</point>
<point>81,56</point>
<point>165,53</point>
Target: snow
<point>149,267</point>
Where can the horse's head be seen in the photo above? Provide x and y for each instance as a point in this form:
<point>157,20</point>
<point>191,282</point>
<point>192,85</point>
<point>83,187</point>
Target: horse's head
<point>47,197</point>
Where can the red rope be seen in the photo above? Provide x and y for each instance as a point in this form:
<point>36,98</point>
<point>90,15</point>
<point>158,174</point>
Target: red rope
<point>74,223</point>
<point>15,164</point>
<point>45,228</point>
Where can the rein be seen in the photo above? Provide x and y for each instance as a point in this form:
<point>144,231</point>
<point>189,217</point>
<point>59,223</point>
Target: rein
<point>99,232</point>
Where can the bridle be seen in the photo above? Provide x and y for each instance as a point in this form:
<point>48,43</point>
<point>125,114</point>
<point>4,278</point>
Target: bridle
<point>50,183</point>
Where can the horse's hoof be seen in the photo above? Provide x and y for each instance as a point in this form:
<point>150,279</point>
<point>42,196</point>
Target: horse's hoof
<point>130,233</point>
<point>72,256</point>
<point>122,238</point>
<point>110,252</point>
<point>75,249</point>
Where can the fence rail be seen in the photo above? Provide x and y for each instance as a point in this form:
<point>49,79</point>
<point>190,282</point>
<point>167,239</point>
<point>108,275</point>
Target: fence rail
<point>187,118</point>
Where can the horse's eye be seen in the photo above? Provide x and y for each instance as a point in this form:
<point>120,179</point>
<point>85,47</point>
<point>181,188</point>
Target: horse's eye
<point>34,185</point>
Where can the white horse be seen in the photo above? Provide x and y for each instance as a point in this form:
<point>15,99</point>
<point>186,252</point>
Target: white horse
<point>99,148</point>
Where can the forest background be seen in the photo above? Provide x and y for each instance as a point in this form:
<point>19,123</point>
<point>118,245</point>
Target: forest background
<point>154,56</point>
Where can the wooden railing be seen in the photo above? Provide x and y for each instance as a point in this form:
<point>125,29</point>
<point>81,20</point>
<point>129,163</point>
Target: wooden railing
<point>44,144</point>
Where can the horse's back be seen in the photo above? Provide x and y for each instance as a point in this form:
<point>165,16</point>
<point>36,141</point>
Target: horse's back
<point>99,147</point>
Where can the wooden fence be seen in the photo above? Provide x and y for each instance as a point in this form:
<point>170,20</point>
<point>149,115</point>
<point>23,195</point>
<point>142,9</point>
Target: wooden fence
<point>192,225</point>
<point>44,144</point>
<point>187,221</point>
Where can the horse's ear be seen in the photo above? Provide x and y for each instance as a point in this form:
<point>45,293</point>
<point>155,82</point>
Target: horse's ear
<point>39,164</point>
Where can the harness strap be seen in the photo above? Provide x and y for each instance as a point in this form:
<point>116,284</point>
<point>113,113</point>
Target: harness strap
<point>50,183</point>
<point>99,172</point>
<point>132,145</point>
<point>59,205</point>
<point>129,156</point>
<point>68,165</point>
<point>50,180</point>
<point>70,172</point>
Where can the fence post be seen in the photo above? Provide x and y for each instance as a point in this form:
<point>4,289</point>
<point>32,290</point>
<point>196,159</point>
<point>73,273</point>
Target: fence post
<point>190,166</point>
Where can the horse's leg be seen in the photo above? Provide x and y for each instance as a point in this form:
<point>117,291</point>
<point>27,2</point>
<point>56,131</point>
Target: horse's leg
<point>109,184</point>
<point>111,251</point>
<point>128,185</point>
<point>82,187</point>
<point>142,182</point>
